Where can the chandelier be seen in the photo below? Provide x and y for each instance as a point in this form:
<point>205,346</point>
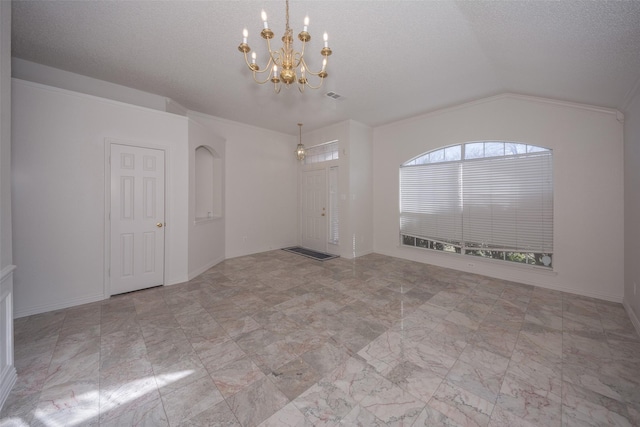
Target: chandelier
<point>285,65</point>
<point>300,151</point>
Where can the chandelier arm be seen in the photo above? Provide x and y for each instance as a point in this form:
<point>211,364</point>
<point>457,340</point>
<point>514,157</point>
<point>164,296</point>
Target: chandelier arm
<point>297,59</point>
<point>267,68</point>
<point>309,71</point>
<point>246,59</point>
<point>276,57</point>
<point>301,53</point>
<point>312,86</point>
<point>255,78</point>
<point>314,74</point>
<point>256,72</point>
<point>271,58</point>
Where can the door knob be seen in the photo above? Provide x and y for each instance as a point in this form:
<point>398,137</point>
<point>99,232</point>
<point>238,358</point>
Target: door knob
<point>322,213</point>
<point>159,224</point>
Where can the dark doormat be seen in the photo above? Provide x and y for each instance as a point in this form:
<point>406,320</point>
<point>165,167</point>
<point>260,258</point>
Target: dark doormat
<point>318,256</point>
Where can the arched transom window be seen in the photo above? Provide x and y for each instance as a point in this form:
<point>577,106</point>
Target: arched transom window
<point>490,199</point>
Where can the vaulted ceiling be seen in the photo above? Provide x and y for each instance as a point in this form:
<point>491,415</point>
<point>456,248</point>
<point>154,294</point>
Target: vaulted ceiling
<point>391,59</point>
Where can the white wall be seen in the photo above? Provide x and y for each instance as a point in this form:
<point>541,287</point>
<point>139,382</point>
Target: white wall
<point>260,186</point>
<point>7,369</point>
<point>206,237</point>
<point>360,188</point>
<point>5,135</point>
<point>37,73</point>
<point>632,210</point>
<point>59,191</point>
<point>587,145</point>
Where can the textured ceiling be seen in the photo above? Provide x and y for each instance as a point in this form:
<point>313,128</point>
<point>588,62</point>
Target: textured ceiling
<point>392,59</point>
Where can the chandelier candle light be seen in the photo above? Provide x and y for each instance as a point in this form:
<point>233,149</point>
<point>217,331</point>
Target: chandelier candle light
<point>285,65</point>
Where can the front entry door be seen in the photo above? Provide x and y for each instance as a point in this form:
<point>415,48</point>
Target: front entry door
<point>314,210</point>
<point>137,218</point>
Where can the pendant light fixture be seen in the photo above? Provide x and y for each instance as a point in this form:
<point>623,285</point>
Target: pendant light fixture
<point>300,151</point>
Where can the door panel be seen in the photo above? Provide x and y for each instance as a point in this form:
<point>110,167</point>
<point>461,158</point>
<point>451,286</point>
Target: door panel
<point>314,210</point>
<point>137,218</point>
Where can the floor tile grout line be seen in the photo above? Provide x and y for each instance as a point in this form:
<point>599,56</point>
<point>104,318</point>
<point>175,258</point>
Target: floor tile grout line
<point>598,311</point>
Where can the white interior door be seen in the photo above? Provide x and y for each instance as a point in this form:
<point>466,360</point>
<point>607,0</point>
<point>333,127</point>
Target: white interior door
<point>137,218</point>
<point>314,233</point>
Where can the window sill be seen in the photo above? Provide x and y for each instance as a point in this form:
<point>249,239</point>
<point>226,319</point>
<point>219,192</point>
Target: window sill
<point>470,263</point>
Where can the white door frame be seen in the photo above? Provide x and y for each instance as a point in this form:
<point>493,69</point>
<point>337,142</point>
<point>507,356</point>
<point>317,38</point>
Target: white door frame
<point>311,167</point>
<point>107,204</point>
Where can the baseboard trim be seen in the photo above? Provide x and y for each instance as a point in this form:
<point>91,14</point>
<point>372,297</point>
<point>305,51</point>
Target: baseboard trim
<point>363,253</point>
<point>570,290</point>
<point>632,316</point>
<point>9,377</point>
<point>352,255</point>
<point>514,276</point>
<point>199,271</point>
<point>28,311</point>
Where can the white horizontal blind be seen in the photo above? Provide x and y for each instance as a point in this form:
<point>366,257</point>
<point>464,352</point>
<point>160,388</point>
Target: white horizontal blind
<point>431,201</point>
<point>508,202</point>
<point>499,197</point>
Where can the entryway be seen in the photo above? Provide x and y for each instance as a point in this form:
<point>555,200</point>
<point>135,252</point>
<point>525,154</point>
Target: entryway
<point>313,197</point>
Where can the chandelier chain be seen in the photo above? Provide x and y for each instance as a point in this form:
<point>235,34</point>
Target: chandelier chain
<point>287,24</point>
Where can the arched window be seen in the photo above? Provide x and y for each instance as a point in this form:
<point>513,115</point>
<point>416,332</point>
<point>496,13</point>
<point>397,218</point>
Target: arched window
<point>208,183</point>
<point>491,199</point>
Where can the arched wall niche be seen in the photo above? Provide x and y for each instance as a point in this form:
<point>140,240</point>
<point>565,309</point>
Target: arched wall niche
<point>208,184</point>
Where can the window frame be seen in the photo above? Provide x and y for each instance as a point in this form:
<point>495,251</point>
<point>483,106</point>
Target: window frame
<point>512,153</point>
<point>324,152</point>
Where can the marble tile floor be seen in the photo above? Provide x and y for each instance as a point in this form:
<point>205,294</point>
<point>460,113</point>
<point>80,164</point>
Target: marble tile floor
<point>276,339</point>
